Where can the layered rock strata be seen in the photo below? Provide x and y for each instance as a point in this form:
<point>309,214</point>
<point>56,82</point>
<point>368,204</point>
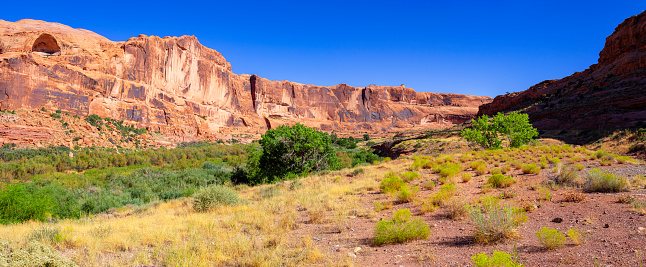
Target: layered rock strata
<point>177,86</point>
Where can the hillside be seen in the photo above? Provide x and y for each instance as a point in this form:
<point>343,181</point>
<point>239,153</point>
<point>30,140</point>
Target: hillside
<point>610,94</point>
<point>178,87</point>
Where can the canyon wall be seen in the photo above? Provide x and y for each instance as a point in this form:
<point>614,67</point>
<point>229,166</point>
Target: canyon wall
<point>610,94</point>
<point>177,86</point>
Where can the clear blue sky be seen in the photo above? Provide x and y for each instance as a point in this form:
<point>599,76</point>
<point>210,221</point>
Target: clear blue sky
<point>467,47</point>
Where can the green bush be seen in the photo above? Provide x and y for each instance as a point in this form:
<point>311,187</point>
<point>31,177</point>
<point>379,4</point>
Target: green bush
<point>514,127</point>
<point>409,176</point>
<point>406,193</point>
<point>600,181</point>
<point>291,149</point>
<point>213,196</point>
<point>391,183</point>
<point>531,168</point>
<point>401,228</point>
<point>550,238</point>
<point>499,180</point>
<point>498,259</point>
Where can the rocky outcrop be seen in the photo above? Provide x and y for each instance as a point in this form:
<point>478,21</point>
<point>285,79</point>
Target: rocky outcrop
<point>177,86</point>
<point>610,94</point>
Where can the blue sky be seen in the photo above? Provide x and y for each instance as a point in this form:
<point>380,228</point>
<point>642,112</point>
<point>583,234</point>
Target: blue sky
<point>466,47</point>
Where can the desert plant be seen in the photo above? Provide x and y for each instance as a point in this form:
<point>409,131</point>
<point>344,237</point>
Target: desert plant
<point>446,192</point>
<point>430,185</point>
<point>391,183</point>
<point>406,193</point>
<point>576,236</point>
<point>574,196</point>
<point>409,176</point>
<point>499,180</point>
<point>531,168</point>
<point>34,254</point>
<point>514,127</point>
<point>550,238</point>
<point>545,194</point>
<point>639,181</point>
<point>401,228</point>
<point>495,223</point>
<point>379,206</point>
<point>457,209</point>
<point>497,259</point>
<point>466,177</point>
<point>567,175</point>
<point>213,196</point>
<point>600,181</point>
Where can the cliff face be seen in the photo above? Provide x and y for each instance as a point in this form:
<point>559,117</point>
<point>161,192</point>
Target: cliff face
<point>175,85</point>
<point>610,94</point>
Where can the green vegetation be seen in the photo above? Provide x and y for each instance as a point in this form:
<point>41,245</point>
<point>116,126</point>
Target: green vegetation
<point>391,183</point>
<point>550,238</point>
<point>600,181</point>
<point>33,254</point>
<point>497,259</point>
<point>514,127</point>
<point>495,223</point>
<point>499,181</point>
<point>213,196</point>
<point>401,228</point>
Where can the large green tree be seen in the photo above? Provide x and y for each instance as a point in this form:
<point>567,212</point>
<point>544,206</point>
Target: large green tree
<point>291,150</point>
<point>514,128</point>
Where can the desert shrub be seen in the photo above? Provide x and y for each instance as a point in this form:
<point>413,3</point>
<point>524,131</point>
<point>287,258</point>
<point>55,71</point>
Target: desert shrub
<point>291,149</point>
<point>213,196</point>
<point>567,175</point>
<point>506,194</point>
<point>496,171</point>
<point>531,168</point>
<point>576,236</point>
<point>499,180</point>
<point>545,194</point>
<point>623,159</point>
<point>505,169</point>
<point>456,209</point>
<point>466,177</point>
<point>550,238</point>
<point>391,183</point>
<point>481,170</point>
<point>379,206</point>
<point>423,162</point>
<point>33,254</point>
<point>430,185</point>
<point>449,172</point>
<point>364,156</point>
<point>357,172</point>
<point>406,193</point>
<point>401,228</point>
<point>497,259</point>
<point>446,192</point>
<point>600,181</point>
<point>574,196</point>
<point>495,223</point>
<point>409,176</point>
<point>639,181</point>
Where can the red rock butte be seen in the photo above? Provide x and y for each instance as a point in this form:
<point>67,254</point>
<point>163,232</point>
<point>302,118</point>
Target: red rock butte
<point>177,86</point>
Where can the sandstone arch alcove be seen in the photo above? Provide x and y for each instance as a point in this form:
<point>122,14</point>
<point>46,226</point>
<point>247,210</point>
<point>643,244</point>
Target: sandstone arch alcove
<point>46,44</point>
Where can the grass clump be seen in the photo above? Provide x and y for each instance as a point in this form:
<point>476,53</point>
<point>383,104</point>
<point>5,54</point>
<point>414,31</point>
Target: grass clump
<point>391,183</point>
<point>531,169</point>
<point>466,177</point>
<point>213,196</point>
<point>457,209</point>
<point>497,259</point>
<point>568,175</point>
<point>550,238</point>
<point>576,236</point>
<point>446,192</point>
<point>574,196</point>
<point>495,223</point>
<point>499,181</point>
<point>406,193</point>
<point>600,181</point>
<point>401,228</point>
<point>409,176</point>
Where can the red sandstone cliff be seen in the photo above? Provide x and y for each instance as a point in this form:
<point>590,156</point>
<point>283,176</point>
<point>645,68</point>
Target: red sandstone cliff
<point>610,94</point>
<point>175,85</point>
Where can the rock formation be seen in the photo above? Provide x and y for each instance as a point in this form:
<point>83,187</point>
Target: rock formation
<point>177,86</point>
<point>610,94</point>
